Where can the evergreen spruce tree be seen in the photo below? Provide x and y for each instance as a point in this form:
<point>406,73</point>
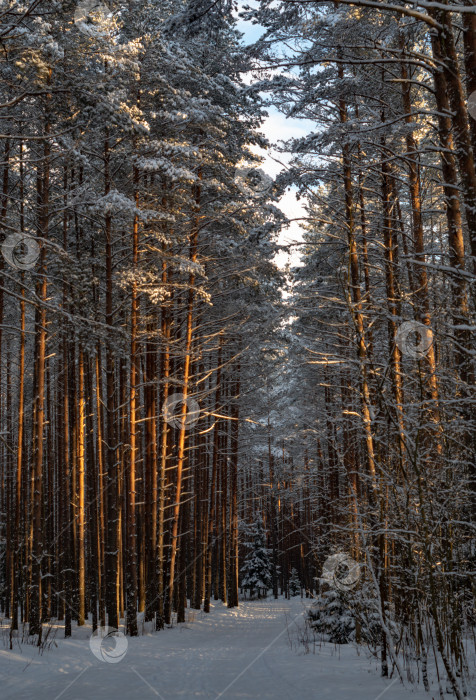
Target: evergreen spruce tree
<point>341,617</point>
<point>294,583</point>
<point>331,617</point>
<point>257,567</point>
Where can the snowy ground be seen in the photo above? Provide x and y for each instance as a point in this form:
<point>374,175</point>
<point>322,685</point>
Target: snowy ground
<point>241,654</point>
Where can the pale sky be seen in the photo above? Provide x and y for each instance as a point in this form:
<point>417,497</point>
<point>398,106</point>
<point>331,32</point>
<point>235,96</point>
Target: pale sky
<point>277,127</point>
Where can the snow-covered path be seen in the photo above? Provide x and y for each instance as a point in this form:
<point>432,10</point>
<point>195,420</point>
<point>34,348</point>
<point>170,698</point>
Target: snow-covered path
<point>239,654</point>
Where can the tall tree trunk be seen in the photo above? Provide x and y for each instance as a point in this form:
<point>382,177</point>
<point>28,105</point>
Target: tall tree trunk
<point>151,504</point>
<point>131,573</point>
<point>112,544</point>
<point>213,487</point>
<point>43,187</point>
<point>233,560</point>
<point>185,390</point>
<point>162,609</point>
<point>81,493</point>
